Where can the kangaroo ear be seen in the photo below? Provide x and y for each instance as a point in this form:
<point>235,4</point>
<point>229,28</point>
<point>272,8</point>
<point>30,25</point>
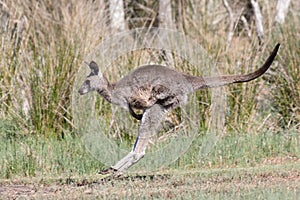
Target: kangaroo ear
<point>94,67</point>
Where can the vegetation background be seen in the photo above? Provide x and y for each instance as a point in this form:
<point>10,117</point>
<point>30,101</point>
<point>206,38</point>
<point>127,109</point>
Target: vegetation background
<point>43,44</point>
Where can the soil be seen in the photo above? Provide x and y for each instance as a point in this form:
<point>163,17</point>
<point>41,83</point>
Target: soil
<point>171,184</point>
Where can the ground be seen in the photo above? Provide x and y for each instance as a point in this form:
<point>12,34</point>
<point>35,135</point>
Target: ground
<point>277,178</point>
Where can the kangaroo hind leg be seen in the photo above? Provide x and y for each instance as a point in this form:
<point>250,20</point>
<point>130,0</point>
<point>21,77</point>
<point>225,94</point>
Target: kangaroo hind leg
<point>149,125</point>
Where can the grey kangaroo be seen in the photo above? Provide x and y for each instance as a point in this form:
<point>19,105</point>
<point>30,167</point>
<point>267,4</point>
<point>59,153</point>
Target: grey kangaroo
<point>155,90</point>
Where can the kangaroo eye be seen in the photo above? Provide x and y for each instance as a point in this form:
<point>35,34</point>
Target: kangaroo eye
<point>87,82</point>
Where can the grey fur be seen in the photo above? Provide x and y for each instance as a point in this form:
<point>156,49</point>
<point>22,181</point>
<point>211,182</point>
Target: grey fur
<point>155,89</point>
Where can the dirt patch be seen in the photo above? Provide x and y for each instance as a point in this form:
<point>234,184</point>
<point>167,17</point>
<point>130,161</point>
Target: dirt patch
<point>280,160</point>
<point>169,185</point>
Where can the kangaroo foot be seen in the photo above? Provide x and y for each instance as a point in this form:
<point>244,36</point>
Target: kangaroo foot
<point>108,171</point>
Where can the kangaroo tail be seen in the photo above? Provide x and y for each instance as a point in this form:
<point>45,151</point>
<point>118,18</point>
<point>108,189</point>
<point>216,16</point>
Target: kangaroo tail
<point>209,82</point>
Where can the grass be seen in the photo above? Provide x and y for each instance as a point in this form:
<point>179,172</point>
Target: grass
<point>40,61</point>
<point>246,150</point>
<point>271,181</point>
<point>217,183</point>
<point>39,156</point>
<point>31,156</point>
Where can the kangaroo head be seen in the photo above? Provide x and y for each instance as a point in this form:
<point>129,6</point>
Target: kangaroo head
<point>94,81</point>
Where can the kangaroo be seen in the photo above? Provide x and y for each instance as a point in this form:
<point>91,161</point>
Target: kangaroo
<point>155,90</point>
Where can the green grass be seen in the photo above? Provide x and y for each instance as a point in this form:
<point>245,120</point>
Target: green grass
<point>37,155</point>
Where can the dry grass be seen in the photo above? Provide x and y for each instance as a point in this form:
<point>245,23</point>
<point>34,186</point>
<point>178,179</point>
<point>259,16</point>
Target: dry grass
<point>43,44</point>
<point>42,47</point>
<point>281,181</point>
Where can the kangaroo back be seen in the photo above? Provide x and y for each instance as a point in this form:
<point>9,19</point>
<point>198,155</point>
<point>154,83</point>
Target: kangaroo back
<point>209,82</point>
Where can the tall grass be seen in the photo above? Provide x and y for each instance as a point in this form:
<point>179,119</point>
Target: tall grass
<point>42,47</point>
<point>286,85</point>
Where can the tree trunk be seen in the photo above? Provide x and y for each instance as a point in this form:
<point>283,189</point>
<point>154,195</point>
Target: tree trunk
<point>166,21</point>
<point>282,10</point>
<point>117,15</point>
<point>258,20</point>
<point>165,14</point>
